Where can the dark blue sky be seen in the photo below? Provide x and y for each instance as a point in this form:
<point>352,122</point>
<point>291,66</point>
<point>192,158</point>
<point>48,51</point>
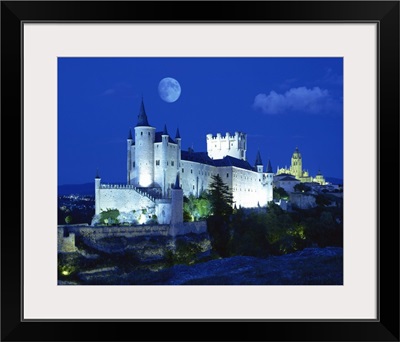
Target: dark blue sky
<point>280,103</point>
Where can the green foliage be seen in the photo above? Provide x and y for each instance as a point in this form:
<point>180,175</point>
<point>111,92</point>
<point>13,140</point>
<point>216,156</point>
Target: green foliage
<point>184,253</point>
<point>109,217</point>
<point>301,187</point>
<point>68,219</point>
<point>187,216</point>
<point>195,209</point>
<point>249,234</point>
<point>280,193</point>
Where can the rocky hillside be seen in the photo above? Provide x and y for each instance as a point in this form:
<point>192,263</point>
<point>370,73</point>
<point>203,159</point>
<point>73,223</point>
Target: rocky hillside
<point>311,266</point>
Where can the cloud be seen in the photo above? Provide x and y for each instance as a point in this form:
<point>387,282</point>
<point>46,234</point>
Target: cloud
<point>302,99</point>
<point>121,89</point>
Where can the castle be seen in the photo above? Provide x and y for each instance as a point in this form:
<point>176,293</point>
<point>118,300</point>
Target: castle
<point>159,174</point>
<point>296,170</point>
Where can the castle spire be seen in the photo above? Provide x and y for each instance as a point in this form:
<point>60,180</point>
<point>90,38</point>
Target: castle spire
<point>269,167</point>
<point>130,135</point>
<point>177,186</point>
<point>165,132</point>
<point>142,117</point>
<point>177,135</point>
<point>97,174</point>
<point>258,159</point>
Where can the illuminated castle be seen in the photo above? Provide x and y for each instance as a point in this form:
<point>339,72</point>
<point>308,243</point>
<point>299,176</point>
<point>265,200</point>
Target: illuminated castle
<point>296,170</point>
<point>159,173</point>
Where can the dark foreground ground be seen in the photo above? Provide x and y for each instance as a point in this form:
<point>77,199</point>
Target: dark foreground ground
<point>312,266</point>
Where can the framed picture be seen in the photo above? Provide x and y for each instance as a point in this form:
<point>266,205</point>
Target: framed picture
<point>323,75</point>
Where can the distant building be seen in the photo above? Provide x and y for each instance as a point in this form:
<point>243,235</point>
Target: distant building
<point>159,173</point>
<point>296,170</point>
<point>286,182</point>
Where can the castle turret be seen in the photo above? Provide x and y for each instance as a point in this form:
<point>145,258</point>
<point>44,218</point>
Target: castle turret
<point>164,160</point>
<point>179,142</point>
<point>258,164</point>
<point>144,150</point>
<point>220,146</point>
<point>97,182</point>
<point>176,202</point>
<point>129,157</point>
<point>269,180</point>
<point>178,138</point>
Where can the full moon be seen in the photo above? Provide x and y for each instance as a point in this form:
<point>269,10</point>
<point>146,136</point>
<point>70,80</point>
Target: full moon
<point>169,89</point>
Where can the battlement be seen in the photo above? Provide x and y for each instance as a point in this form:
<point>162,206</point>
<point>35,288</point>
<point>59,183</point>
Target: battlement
<point>227,136</point>
<point>219,146</point>
<point>151,193</point>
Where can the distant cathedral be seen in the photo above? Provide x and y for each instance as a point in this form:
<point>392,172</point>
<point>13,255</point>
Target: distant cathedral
<point>296,170</point>
<point>159,173</point>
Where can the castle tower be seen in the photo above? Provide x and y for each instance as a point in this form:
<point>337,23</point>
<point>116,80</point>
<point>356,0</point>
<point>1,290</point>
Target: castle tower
<point>258,164</point>
<point>129,157</point>
<point>97,182</point>
<point>144,150</point>
<point>179,142</point>
<point>220,146</point>
<point>296,167</point>
<point>269,180</point>
<point>176,203</point>
<point>164,160</point>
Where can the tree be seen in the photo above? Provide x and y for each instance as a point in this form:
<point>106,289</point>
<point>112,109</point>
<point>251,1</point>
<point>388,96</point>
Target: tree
<point>68,219</point>
<point>195,209</point>
<point>280,193</point>
<point>221,198</point>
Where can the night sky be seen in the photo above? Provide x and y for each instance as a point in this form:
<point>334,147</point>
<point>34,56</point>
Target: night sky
<point>280,103</point>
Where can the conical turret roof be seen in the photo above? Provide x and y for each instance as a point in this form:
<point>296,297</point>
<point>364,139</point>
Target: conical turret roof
<point>258,159</point>
<point>269,167</point>
<point>177,186</point>
<point>165,132</point>
<point>177,135</point>
<point>142,117</point>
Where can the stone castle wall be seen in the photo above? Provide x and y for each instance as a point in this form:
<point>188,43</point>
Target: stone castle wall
<point>123,198</point>
<point>302,201</point>
<point>65,242</point>
<point>66,234</point>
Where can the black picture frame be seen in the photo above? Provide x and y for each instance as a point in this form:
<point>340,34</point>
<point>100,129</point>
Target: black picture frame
<point>385,328</point>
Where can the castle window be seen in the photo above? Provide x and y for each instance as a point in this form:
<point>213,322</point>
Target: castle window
<point>167,163</point>
<point>191,171</point>
<point>149,133</point>
<point>193,187</point>
<point>172,163</point>
<point>227,175</point>
<point>141,133</point>
<point>157,162</point>
<point>133,164</point>
<point>183,170</point>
